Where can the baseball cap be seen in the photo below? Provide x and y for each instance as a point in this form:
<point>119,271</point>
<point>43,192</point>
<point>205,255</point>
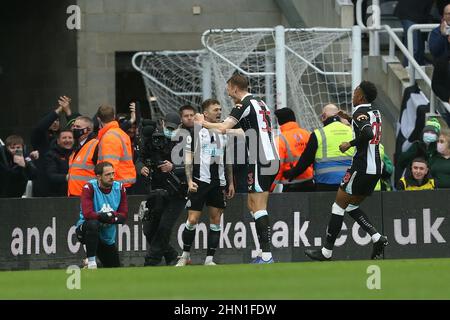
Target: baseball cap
<point>172,120</point>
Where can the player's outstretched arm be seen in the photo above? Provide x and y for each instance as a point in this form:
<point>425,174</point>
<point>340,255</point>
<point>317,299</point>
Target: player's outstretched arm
<point>229,123</point>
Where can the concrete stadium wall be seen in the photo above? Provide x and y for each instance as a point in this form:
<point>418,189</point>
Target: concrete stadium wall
<point>108,26</point>
<point>38,62</point>
<point>318,13</point>
<point>39,233</point>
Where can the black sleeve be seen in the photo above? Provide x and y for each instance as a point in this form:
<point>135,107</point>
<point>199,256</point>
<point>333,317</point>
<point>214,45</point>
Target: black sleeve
<point>307,157</point>
<point>238,112</point>
<point>30,171</point>
<point>441,80</point>
<point>38,134</point>
<point>51,168</point>
<point>125,125</point>
<point>362,122</point>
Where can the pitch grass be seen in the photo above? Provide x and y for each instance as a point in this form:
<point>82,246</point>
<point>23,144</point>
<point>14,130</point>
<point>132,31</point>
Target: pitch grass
<point>400,279</point>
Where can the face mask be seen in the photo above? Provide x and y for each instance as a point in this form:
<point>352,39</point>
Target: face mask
<point>168,133</point>
<point>441,148</point>
<point>429,137</point>
<point>78,132</point>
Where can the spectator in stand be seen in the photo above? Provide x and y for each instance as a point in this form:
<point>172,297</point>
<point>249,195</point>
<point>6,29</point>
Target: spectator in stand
<point>42,137</point>
<point>440,161</point>
<point>18,169</point>
<point>440,82</point>
<point>412,12</point>
<point>3,163</point>
<point>439,41</point>
<point>128,123</point>
<point>57,163</point>
<point>417,177</point>
<point>424,148</point>
<point>187,113</point>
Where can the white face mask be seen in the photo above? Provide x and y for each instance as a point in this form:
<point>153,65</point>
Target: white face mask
<point>429,137</point>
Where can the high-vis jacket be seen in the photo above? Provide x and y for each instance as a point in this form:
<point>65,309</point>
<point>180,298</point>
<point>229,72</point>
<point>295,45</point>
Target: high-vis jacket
<point>114,146</point>
<point>330,163</point>
<point>81,168</point>
<point>291,144</point>
<point>413,186</point>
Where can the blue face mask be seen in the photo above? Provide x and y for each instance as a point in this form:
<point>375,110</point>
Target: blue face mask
<point>429,137</point>
<point>169,133</point>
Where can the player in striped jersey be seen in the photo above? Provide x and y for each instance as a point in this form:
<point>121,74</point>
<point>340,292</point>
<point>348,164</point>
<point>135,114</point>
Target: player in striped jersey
<point>205,172</point>
<point>361,178</point>
<point>253,116</point>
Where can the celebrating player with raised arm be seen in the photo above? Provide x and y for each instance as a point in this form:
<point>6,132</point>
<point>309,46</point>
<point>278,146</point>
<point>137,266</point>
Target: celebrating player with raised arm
<point>361,178</point>
<point>253,116</point>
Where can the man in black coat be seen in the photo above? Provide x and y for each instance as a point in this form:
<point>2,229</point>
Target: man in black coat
<point>43,136</point>
<point>57,163</point>
<point>17,168</point>
<point>412,12</point>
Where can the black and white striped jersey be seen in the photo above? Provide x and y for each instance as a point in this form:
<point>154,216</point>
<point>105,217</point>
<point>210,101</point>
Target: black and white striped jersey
<point>253,114</point>
<point>209,149</point>
<point>367,157</point>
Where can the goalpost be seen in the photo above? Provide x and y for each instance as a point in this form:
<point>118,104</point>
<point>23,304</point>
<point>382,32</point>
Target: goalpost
<point>303,69</point>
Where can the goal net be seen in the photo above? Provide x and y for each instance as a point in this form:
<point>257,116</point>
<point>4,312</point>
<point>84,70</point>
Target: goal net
<point>171,78</point>
<point>317,66</point>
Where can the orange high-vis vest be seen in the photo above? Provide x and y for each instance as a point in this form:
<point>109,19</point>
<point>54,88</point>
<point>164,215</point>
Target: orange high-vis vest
<point>114,146</point>
<point>81,168</point>
<point>292,142</point>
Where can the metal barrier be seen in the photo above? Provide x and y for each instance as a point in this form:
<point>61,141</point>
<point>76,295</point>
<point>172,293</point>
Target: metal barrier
<point>374,47</point>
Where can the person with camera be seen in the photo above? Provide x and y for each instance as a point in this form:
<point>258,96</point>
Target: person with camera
<point>17,168</point>
<point>439,41</point>
<point>103,206</point>
<point>205,174</point>
<point>165,175</point>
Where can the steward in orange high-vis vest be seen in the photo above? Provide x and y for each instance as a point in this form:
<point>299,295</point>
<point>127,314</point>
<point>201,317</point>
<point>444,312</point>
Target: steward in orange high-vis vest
<point>83,159</point>
<point>291,143</point>
<point>114,146</point>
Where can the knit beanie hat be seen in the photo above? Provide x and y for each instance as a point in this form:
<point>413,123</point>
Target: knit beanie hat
<point>432,124</point>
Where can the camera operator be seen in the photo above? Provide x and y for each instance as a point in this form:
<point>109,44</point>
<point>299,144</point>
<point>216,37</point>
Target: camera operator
<point>166,177</point>
<point>17,168</point>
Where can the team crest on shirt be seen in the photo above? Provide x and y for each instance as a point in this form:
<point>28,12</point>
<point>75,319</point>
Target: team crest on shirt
<point>362,117</point>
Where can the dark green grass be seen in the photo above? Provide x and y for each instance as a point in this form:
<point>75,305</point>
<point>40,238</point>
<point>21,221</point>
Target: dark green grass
<point>400,279</point>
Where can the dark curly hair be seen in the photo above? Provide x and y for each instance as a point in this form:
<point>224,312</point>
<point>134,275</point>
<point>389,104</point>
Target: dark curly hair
<point>368,90</point>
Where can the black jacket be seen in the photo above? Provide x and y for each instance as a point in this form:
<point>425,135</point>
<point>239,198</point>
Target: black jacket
<point>417,11</point>
<point>56,168</point>
<point>441,79</point>
<point>15,178</point>
<point>42,139</point>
